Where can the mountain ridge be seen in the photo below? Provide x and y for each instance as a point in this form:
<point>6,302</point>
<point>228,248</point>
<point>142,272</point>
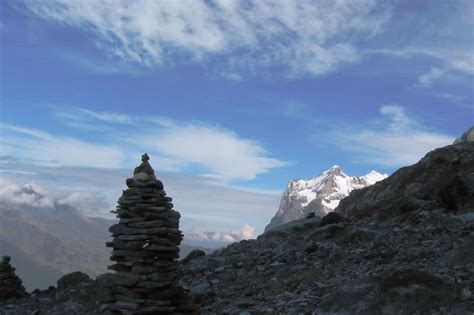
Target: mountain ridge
<point>319,194</point>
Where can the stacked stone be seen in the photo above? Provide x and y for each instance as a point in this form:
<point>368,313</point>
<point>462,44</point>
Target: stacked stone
<point>145,250</point>
<point>10,284</point>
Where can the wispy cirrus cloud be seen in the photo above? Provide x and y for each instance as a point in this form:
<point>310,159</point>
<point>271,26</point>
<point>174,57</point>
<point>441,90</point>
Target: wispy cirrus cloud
<point>426,79</point>
<point>457,59</point>
<point>436,36</point>
<point>306,38</point>
<point>44,148</point>
<point>394,140</point>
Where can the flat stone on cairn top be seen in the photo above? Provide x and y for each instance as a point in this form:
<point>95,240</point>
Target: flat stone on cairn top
<point>10,284</point>
<point>144,175</point>
<point>145,251</point>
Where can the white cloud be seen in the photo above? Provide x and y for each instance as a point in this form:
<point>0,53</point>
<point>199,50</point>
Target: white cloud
<point>426,79</point>
<point>310,37</point>
<point>457,61</point>
<point>220,151</point>
<point>397,118</point>
<point>216,152</point>
<point>44,148</point>
<point>31,195</point>
<point>91,203</point>
<point>437,34</point>
<point>397,140</point>
<point>221,238</point>
<point>221,154</point>
<point>247,232</point>
<point>108,117</point>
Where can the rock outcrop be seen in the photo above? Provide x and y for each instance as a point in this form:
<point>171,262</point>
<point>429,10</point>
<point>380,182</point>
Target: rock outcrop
<point>468,136</point>
<point>145,250</point>
<point>318,195</point>
<point>10,284</point>
<point>75,293</point>
<point>443,179</point>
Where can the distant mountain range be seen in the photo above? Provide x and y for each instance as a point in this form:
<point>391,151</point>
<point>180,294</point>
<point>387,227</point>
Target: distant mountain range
<point>319,195</point>
<point>48,239</point>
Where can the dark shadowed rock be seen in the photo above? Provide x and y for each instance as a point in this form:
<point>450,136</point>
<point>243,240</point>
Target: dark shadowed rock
<point>331,218</point>
<point>73,280</point>
<point>443,179</point>
<point>192,255</point>
<point>413,290</point>
<point>10,284</point>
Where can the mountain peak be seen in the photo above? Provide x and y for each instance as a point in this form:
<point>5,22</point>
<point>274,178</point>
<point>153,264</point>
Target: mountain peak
<point>319,195</point>
<point>29,191</point>
<point>334,170</point>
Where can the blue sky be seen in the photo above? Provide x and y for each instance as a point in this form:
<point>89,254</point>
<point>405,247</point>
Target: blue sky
<point>235,96</point>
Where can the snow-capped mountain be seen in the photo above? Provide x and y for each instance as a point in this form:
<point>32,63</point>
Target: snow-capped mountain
<point>320,194</point>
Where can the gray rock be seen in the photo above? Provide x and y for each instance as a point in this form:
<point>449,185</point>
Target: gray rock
<point>443,179</point>
<point>468,136</point>
<point>193,255</point>
<point>11,286</point>
<point>331,218</point>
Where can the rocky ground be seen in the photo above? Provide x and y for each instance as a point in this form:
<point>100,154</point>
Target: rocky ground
<point>418,263</point>
<point>75,293</point>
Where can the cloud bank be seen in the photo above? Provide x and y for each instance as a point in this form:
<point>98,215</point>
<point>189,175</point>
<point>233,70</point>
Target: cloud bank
<point>12,192</point>
<point>30,195</point>
<point>204,204</point>
<point>220,239</point>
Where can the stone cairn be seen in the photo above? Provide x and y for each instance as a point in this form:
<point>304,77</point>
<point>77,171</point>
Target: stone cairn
<point>145,250</point>
<point>10,284</point>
